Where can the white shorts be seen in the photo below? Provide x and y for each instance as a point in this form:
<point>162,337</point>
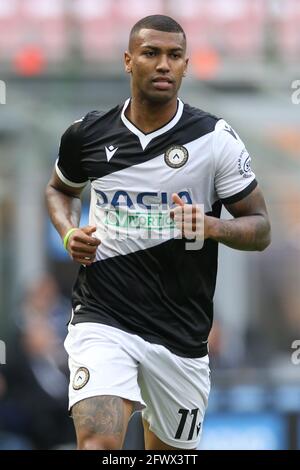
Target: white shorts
<point>172,390</point>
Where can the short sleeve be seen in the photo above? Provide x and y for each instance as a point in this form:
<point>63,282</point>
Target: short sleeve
<point>234,178</point>
<point>68,164</point>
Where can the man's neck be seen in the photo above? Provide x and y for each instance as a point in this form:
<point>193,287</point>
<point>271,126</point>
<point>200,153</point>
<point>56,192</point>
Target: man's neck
<point>150,116</point>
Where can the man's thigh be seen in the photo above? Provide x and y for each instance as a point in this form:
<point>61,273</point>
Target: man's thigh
<point>100,364</point>
<point>101,422</point>
<point>152,442</point>
<point>176,391</point>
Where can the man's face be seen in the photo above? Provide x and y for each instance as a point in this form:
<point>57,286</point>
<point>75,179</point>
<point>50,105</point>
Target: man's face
<point>157,63</point>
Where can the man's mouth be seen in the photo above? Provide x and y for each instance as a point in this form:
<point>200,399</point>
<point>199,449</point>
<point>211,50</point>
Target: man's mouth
<point>162,83</point>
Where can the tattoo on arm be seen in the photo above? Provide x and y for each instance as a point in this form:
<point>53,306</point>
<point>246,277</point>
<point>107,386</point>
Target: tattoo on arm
<point>245,233</point>
<point>250,229</point>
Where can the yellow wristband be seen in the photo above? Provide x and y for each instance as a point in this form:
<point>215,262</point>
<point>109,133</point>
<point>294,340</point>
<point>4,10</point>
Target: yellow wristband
<point>67,236</point>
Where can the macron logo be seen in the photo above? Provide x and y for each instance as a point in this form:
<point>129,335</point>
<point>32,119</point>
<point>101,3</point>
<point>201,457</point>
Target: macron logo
<point>110,151</point>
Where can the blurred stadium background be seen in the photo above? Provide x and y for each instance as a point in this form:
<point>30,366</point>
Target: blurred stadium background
<point>61,58</point>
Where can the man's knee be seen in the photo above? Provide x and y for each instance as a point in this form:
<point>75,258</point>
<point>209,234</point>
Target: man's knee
<point>99,443</point>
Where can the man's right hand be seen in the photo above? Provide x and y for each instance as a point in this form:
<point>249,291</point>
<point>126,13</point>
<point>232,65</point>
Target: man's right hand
<point>82,246</point>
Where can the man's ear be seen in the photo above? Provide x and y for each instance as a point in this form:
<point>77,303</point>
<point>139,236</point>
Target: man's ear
<point>127,61</point>
<point>186,66</point>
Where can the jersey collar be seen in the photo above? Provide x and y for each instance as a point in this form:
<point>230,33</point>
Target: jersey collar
<point>146,138</point>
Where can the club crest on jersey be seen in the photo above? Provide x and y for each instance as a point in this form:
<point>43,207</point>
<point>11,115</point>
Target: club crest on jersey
<point>176,156</point>
<point>81,378</point>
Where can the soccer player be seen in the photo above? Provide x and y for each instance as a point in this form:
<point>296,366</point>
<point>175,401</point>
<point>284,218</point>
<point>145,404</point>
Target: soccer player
<point>160,171</point>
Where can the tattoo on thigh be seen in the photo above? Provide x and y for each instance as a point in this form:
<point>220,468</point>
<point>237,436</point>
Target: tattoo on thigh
<point>100,415</point>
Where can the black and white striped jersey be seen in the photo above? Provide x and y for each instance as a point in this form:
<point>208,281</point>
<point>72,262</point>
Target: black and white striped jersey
<point>144,279</point>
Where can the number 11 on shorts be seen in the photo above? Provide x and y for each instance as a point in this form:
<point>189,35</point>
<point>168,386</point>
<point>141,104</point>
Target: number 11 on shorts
<point>184,414</point>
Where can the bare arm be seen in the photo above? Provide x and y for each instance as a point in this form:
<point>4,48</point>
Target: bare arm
<point>249,230</point>
<point>64,207</point>
<point>64,204</point>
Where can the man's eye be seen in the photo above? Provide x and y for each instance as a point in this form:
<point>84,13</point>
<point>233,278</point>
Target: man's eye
<point>149,53</point>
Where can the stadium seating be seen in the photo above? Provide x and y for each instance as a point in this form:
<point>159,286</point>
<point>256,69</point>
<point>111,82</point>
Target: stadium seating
<point>97,30</point>
<point>288,29</point>
<point>45,24</point>
<point>10,25</point>
<point>235,28</point>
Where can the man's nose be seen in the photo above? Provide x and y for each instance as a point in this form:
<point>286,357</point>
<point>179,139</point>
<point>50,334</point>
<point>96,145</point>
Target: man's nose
<point>163,64</point>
